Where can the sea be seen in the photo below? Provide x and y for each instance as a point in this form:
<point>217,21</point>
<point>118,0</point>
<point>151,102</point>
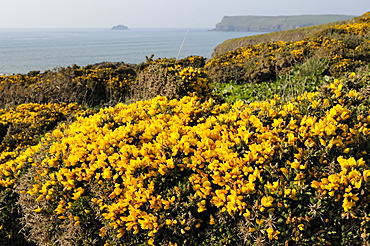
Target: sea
<point>25,50</point>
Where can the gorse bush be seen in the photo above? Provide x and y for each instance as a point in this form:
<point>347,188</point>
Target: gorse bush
<point>90,85</point>
<point>266,61</point>
<point>21,127</point>
<point>182,172</point>
<point>106,84</point>
<point>102,84</point>
<point>165,77</point>
<point>344,45</point>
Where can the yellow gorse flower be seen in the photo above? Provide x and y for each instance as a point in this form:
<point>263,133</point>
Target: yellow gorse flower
<point>184,165</point>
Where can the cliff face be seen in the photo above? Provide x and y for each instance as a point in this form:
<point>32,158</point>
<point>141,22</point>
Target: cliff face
<point>274,23</point>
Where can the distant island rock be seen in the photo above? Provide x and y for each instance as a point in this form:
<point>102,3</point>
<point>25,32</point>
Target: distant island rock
<point>252,23</point>
<point>120,27</point>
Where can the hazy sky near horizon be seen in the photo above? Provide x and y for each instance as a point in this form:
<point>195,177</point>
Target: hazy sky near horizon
<point>158,13</point>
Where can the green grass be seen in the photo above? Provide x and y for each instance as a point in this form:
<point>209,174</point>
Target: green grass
<point>305,77</point>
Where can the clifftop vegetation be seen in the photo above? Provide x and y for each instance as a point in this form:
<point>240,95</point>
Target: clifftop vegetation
<point>263,145</point>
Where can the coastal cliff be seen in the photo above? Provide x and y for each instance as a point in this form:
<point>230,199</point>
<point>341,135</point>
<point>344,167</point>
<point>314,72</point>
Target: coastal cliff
<point>274,23</point>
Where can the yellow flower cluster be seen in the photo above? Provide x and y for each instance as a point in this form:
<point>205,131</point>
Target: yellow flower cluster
<point>194,82</point>
<point>21,127</point>
<point>109,156</point>
<point>357,28</point>
<point>111,77</point>
<point>151,166</point>
<point>12,165</point>
<point>271,50</point>
<point>347,183</point>
<point>19,78</point>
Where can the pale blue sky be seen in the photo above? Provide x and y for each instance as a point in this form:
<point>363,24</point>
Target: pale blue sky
<point>158,13</point>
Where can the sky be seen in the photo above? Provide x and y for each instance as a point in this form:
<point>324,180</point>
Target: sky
<point>158,13</point>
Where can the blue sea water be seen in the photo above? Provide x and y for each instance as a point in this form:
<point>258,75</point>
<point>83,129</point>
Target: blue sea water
<point>24,50</point>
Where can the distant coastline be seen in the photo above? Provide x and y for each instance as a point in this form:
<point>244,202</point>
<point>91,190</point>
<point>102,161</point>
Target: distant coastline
<point>274,23</point>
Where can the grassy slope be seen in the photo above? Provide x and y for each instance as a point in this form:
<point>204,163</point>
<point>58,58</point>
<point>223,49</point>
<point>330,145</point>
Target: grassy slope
<point>319,19</point>
<point>287,35</point>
